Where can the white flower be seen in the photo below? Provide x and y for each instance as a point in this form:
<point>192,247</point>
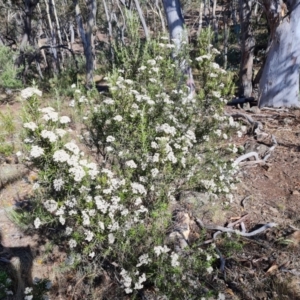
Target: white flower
<point>159,250</point>
<point>139,285</point>
<point>50,115</point>
<point>64,120</point>
<point>110,139</point>
<point>82,99</point>
<point>28,297</point>
<point>37,223</point>
<point>31,125</point>
<point>60,132</point>
<point>225,136</point>
<point>214,65</point>
<point>68,230</point>
<point>73,86</point>
<point>72,243</point>
<point>215,51</point>
<point>143,260</point>
<point>216,94</point>
<point>138,188</point>
<point>89,235</point>
<point>101,204</point>
<point>36,151</point>
<point>218,132</point>
<point>154,145</point>
<point>62,220</point>
<point>109,101</point>
<point>154,172</point>
<point>78,173</point>
<point>128,291</point>
<point>28,141</point>
<point>72,103</point>
<point>51,205</point>
<point>206,138</point>
<point>138,201</point>
<point>118,118</point>
<point>213,75</point>
<point>61,156</point>
<point>200,58</point>
<point>131,164</point>
<point>19,153</point>
<point>71,146</point>
<point>28,290</point>
<point>92,254</point>
<point>128,81</point>
<point>111,238</point>
<point>29,92</point>
<point>155,157</point>
<point>221,296</point>
<point>85,219</point>
<point>244,128</point>
<point>209,270</point>
<point>101,225</point>
<point>51,136</point>
<point>174,259</point>
<point>151,62</point>
<point>166,128</point>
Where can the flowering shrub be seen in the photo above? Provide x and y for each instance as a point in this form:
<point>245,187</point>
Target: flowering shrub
<point>152,140</point>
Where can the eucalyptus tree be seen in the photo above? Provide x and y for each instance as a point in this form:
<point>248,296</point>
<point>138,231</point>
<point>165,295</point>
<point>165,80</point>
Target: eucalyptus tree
<point>279,83</point>
<point>179,35</point>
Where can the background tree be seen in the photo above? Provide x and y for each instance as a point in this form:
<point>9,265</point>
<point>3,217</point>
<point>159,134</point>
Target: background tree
<point>279,84</point>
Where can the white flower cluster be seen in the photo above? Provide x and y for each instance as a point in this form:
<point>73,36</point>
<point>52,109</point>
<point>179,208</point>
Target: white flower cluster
<point>50,135</point>
<point>161,250</point>
<point>29,92</point>
<point>30,125</point>
<point>49,114</point>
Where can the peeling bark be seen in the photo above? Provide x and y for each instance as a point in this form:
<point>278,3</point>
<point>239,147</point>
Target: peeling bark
<point>279,84</point>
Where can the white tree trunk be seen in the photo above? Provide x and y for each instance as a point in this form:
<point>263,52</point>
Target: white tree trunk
<point>178,35</point>
<point>279,84</point>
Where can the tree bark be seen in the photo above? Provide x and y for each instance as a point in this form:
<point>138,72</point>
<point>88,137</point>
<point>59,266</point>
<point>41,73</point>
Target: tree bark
<point>29,6</point>
<point>178,35</point>
<point>87,37</point>
<point>279,84</point>
<point>247,49</point>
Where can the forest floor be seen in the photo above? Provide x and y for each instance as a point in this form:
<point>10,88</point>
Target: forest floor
<point>266,266</point>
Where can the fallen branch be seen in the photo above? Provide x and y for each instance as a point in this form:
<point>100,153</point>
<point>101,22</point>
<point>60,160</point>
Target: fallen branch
<point>255,154</point>
<point>230,230</point>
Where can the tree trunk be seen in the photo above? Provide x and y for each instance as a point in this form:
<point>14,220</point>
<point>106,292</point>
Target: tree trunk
<point>29,6</point>
<point>279,84</point>
<point>87,37</point>
<point>178,35</point>
<point>247,49</point>
<point>141,16</point>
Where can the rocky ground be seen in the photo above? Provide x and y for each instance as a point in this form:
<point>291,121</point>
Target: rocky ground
<point>265,266</point>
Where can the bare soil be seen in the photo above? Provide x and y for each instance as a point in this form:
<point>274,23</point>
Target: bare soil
<point>267,266</point>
